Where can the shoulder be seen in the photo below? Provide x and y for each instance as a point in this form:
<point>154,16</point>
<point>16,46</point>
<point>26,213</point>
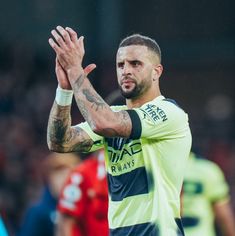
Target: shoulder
<point>162,109</point>
<point>211,169</point>
<point>207,164</point>
<point>170,106</point>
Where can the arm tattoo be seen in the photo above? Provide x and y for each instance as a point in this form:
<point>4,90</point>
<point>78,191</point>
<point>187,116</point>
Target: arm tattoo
<point>123,128</point>
<point>95,111</point>
<point>58,123</point>
<point>84,111</point>
<point>85,145</point>
<point>80,81</point>
<point>56,130</point>
<point>96,101</point>
<point>61,136</point>
<point>124,121</point>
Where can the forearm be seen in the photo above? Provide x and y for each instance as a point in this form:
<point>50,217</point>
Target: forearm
<point>61,136</point>
<point>97,112</point>
<point>225,218</point>
<point>58,130</point>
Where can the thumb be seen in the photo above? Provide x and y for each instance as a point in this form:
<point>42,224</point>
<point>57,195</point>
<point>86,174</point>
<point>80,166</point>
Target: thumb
<point>88,69</point>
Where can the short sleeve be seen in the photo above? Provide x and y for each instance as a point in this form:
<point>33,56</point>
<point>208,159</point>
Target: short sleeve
<point>160,120</point>
<point>73,199</point>
<point>217,187</point>
<point>98,141</point>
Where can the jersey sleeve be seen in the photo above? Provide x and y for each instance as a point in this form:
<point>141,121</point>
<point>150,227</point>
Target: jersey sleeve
<point>217,187</point>
<point>98,141</point>
<point>158,121</point>
<point>73,198</point>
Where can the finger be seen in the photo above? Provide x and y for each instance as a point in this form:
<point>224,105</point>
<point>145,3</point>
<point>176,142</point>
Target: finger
<point>54,45</point>
<point>73,35</point>
<point>57,65</point>
<point>57,62</point>
<point>80,44</point>
<point>88,69</point>
<point>64,34</point>
<point>58,38</point>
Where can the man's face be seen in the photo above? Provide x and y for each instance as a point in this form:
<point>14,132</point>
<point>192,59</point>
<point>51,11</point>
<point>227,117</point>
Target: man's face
<point>135,69</point>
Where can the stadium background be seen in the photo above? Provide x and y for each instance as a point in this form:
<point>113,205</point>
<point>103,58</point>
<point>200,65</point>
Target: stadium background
<point>197,39</point>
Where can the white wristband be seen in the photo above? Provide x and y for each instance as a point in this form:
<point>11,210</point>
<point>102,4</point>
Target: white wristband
<point>63,97</point>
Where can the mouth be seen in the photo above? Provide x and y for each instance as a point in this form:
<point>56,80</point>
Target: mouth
<point>127,85</point>
<point>127,81</point>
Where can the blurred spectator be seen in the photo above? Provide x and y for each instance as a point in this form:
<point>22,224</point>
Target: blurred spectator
<point>205,199</point>
<point>41,217</point>
<point>83,203</point>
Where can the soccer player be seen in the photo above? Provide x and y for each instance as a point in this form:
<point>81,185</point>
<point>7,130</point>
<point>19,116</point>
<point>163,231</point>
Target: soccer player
<point>147,141</point>
<point>205,199</point>
<point>83,204</point>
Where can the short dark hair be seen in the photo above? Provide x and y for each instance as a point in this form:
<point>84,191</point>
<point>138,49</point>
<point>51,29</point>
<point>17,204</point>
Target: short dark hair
<point>138,39</point>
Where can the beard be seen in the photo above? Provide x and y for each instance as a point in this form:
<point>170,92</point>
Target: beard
<point>136,92</point>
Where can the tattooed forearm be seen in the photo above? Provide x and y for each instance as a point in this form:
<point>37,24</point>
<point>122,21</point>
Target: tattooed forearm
<point>85,143</point>
<point>57,131</point>
<point>80,81</point>
<point>123,127</point>
<point>97,113</point>
<point>61,136</point>
<point>125,124</point>
<point>93,98</point>
<point>88,101</point>
<point>84,111</point>
<point>96,101</point>
<point>58,124</point>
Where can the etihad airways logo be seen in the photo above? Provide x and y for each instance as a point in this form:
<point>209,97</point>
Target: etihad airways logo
<point>122,167</point>
<point>119,148</point>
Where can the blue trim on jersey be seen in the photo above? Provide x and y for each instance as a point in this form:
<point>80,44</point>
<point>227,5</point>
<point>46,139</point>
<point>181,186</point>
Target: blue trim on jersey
<point>189,221</point>
<point>136,124</point>
<point>121,187</point>
<point>145,229</point>
<point>118,142</point>
<point>180,231</point>
<point>172,101</point>
<point>193,187</point>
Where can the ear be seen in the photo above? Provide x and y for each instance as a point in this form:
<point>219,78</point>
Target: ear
<point>158,69</point>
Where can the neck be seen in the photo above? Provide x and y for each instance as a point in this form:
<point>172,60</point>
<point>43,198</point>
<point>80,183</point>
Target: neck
<point>139,101</point>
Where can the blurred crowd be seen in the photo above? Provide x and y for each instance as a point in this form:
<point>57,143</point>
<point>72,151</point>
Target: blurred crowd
<point>26,94</point>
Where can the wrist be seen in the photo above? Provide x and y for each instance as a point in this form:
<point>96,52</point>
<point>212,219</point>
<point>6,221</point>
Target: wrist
<point>63,97</point>
<point>74,73</point>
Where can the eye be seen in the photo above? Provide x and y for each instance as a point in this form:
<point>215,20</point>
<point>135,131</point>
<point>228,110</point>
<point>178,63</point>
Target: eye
<point>120,64</point>
<point>135,63</point>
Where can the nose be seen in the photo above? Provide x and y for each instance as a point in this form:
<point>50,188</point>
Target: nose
<point>126,69</point>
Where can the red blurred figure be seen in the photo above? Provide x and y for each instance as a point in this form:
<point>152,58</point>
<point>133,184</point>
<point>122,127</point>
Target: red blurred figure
<point>83,203</point>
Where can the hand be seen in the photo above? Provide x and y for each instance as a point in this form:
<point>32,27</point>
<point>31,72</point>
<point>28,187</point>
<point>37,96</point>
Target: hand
<point>63,78</point>
<point>68,54</point>
<point>69,51</point>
